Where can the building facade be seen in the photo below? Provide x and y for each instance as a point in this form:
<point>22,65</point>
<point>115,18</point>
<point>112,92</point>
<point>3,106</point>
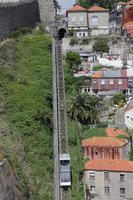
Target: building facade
<point>108,180</point>
<point>94,20</point>
<point>129,116</point>
<point>105,148</point>
<point>113,80</point>
<point>78,20</point>
<point>98,19</point>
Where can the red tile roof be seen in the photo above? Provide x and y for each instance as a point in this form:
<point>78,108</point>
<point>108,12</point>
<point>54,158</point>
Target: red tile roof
<point>113,132</point>
<point>110,165</point>
<point>98,74</point>
<point>104,142</point>
<point>77,8</point>
<point>122,3</point>
<point>96,9</point>
<point>129,107</point>
<point>130,2</point>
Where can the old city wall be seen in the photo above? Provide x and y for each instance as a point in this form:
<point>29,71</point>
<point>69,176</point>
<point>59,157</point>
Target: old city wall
<point>13,16</point>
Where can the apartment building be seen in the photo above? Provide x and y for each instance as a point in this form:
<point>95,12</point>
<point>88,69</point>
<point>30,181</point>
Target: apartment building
<point>113,80</point>
<point>94,20</point>
<point>78,20</point>
<point>108,180</point>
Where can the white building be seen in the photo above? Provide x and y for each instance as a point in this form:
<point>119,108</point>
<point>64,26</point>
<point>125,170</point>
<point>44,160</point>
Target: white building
<point>129,116</point>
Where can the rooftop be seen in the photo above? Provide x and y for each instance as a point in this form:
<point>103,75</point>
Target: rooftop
<point>96,9</point>
<point>98,74</point>
<point>77,8</point>
<point>114,132</point>
<point>110,165</point>
<point>129,107</point>
<point>104,142</point>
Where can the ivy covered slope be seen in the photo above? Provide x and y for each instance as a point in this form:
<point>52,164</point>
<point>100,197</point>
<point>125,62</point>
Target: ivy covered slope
<point>26,112</point>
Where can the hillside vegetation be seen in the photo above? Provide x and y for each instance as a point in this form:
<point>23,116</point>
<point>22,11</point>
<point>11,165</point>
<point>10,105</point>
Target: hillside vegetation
<point>104,3</point>
<point>26,112</point>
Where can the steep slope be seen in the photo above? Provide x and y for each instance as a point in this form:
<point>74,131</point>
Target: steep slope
<point>26,113</point>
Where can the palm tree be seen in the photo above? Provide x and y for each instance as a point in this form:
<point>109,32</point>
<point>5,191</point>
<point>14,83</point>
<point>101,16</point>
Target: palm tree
<point>92,107</point>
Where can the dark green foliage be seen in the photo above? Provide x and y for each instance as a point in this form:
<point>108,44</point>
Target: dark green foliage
<point>20,31</point>
<point>71,32</point>
<point>97,68</point>
<point>103,3</point>
<point>119,97</point>
<point>85,41</point>
<point>74,41</point>
<point>101,45</point>
<point>73,60</point>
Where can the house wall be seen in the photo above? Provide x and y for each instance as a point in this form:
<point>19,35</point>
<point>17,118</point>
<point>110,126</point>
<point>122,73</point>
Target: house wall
<point>20,15</point>
<point>77,23</point>
<point>106,152</point>
<point>103,23</point>
<point>113,183</point>
<point>129,119</point>
<point>96,84</point>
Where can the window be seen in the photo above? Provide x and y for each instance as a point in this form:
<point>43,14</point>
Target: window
<point>94,81</point>
<point>81,18</point>
<point>102,82</point>
<point>107,190</point>
<point>106,175</point>
<point>94,20</point>
<point>120,82</point>
<point>73,19</point>
<point>122,190</point>
<point>92,175</point>
<point>92,189</point>
<point>122,177</point>
<point>111,82</point>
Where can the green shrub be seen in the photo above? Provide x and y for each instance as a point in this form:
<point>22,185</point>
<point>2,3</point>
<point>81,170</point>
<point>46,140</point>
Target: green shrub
<point>73,60</point>
<point>101,45</point>
<point>74,41</point>
<point>96,68</point>
<point>71,32</point>
<point>85,41</point>
<point>119,97</point>
<point>20,31</point>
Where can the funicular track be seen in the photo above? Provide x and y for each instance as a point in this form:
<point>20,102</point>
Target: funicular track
<point>65,193</point>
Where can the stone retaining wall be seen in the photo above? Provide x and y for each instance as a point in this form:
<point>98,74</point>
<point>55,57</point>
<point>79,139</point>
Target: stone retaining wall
<point>22,14</point>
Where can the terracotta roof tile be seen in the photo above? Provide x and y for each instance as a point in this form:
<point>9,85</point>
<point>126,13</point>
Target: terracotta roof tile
<point>122,3</point>
<point>77,8</point>
<point>113,132</point>
<point>98,74</point>
<point>104,141</point>
<point>130,2</point>
<point>110,165</point>
<point>96,9</point>
<point>128,24</point>
<point>129,107</point>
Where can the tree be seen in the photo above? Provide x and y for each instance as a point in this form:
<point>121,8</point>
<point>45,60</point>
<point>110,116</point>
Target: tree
<point>101,45</point>
<point>103,3</point>
<point>119,97</point>
<point>73,60</point>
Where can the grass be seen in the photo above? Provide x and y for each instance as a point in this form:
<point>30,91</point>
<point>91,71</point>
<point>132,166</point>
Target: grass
<point>26,100</point>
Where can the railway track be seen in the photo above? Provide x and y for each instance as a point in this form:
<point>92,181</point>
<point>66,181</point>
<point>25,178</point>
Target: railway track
<point>62,122</point>
<point>65,192</point>
<point>61,155</point>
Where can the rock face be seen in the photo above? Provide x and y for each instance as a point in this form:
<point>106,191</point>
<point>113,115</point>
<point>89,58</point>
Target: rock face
<point>8,190</point>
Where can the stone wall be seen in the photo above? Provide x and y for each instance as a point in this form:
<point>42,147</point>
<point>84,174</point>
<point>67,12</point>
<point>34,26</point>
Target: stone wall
<point>24,14</point>
<point>47,11</point>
